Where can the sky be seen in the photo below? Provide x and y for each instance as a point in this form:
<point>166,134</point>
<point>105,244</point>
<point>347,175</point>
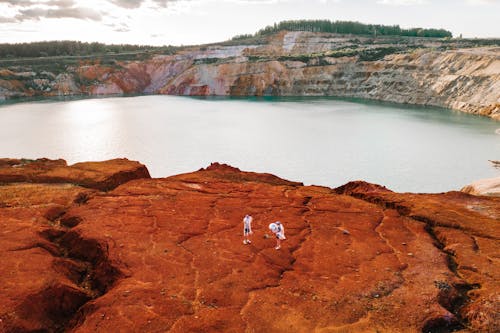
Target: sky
<point>187,22</point>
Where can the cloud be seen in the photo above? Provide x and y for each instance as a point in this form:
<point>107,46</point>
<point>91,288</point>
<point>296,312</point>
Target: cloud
<point>127,3</point>
<point>4,19</point>
<point>163,3</point>
<point>130,4</point>
<point>261,1</point>
<point>61,3</point>
<point>29,3</point>
<point>25,10</point>
<point>37,13</point>
<point>119,27</point>
<point>482,2</point>
<point>19,3</point>
<point>401,2</point>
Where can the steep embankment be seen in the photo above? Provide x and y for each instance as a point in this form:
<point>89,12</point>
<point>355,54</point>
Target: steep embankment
<point>403,70</point>
<point>166,255</point>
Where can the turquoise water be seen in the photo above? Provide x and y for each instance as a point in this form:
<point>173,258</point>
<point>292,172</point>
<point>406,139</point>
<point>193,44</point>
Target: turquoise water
<point>316,141</point>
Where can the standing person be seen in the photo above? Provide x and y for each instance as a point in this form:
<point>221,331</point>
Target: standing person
<point>279,230</point>
<point>247,228</point>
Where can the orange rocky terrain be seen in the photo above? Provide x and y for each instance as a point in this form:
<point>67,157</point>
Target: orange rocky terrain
<point>102,247</point>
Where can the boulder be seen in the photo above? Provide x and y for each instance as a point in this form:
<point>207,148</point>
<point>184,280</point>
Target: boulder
<point>489,187</point>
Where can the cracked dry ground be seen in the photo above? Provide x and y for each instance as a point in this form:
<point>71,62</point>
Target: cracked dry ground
<point>157,255</point>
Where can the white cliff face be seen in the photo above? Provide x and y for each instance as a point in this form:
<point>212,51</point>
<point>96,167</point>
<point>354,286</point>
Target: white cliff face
<point>224,52</point>
<point>289,40</point>
<point>298,64</point>
<point>64,84</point>
<point>162,70</point>
<point>453,79</point>
<point>106,89</point>
<point>465,81</point>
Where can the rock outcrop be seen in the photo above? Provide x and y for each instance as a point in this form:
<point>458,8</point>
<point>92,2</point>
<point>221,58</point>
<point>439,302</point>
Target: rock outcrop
<point>100,176</point>
<point>490,187</point>
<point>157,255</point>
<point>415,71</point>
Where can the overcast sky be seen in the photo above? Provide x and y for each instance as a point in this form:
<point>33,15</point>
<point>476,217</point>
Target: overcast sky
<point>176,22</point>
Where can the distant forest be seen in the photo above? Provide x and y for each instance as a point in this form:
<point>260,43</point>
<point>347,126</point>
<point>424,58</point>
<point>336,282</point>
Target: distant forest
<point>348,27</point>
<point>70,48</point>
<point>75,48</point>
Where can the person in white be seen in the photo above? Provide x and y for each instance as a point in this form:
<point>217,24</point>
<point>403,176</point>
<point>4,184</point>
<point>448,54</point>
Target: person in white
<point>279,230</point>
<point>247,228</point>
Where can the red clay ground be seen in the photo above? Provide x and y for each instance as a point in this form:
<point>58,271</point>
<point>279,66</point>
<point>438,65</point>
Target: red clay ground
<point>157,255</point>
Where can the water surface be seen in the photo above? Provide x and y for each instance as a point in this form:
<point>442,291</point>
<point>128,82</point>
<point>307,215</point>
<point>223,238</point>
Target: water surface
<point>316,141</point>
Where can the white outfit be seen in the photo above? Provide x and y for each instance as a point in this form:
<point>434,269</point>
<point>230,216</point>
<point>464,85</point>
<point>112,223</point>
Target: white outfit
<point>278,229</point>
<point>247,225</point>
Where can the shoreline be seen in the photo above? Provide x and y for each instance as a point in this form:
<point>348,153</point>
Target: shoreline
<point>428,73</point>
<point>265,98</point>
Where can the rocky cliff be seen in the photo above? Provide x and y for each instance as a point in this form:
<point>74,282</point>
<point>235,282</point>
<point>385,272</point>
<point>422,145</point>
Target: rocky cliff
<point>166,255</point>
<point>418,71</point>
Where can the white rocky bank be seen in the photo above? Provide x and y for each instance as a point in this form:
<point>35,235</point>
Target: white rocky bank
<point>489,187</point>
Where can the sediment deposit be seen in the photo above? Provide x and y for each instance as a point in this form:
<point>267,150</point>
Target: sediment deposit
<point>419,71</point>
<point>166,255</point>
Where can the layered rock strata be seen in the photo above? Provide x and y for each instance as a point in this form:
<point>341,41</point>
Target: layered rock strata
<point>415,71</point>
<point>166,255</point>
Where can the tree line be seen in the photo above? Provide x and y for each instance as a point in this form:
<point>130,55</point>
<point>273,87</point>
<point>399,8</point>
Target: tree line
<point>69,48</point>
<point>349,27</point>
<point>77,48</point>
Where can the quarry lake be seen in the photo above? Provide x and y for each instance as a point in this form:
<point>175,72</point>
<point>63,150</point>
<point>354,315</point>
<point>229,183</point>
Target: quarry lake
<point>313,140</point>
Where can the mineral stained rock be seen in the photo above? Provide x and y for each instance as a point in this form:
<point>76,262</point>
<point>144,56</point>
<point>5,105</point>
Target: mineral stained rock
<point>158,255</point>
<point>419,71</point>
